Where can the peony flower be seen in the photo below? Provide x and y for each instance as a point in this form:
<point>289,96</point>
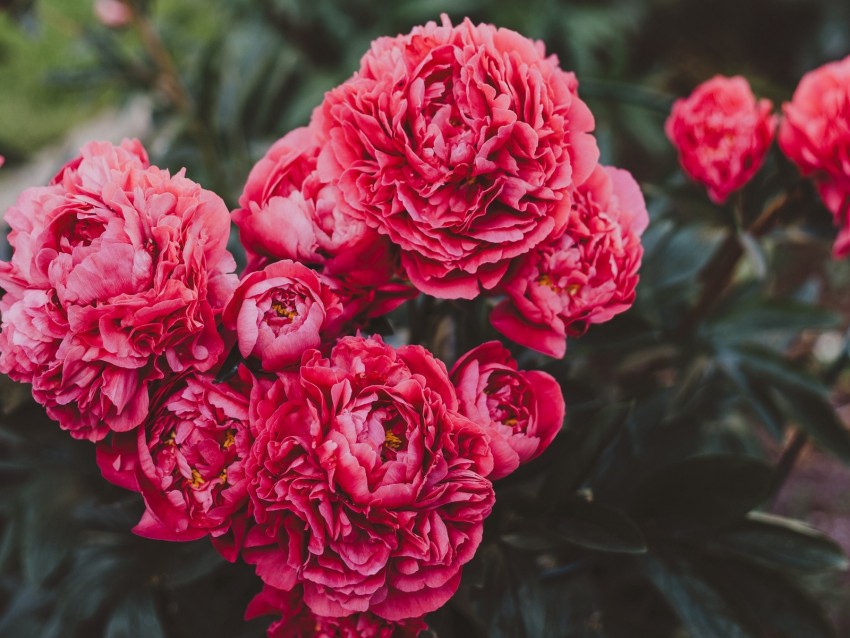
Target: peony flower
<point>722,134</point>
<point>2,160</point>
<point>281,311</point>
<point>118,274</point>
<point>114,14</point>
<point>287,212</point>
<point>461,144</point>
<point>297,621</point>
<point>815,135</point>
<point>367,487</point>
<point>191,456</point>
<point>586,276</point>
<point>522,411</point>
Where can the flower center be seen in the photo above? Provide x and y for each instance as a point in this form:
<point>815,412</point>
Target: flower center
<point>284,310</point>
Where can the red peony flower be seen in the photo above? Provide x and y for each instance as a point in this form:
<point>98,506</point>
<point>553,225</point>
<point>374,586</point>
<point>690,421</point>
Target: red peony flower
<point>118,272</point>
<point>461,144</point>
<point>191,456</point>
<point>281,311</point>
<point>367,486</point>
<point>522,411</point>
<point>815,135</point>
<point>722,134</point>
<point>586,276</point>
<point>297,621</point>
<point>287,212</point>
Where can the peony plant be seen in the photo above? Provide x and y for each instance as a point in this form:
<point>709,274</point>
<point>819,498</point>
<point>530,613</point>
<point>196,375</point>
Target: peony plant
<point>374,420</point>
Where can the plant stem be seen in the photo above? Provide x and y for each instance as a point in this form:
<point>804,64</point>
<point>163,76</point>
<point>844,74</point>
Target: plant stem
<point>172,86</point>
<point>717,274</point>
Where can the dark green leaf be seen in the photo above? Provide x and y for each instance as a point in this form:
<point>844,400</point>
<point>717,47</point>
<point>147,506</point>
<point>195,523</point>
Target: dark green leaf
<point>704,491</point>
<point>135,616</point>
<point>599,528</point>
<point>701,608</point>
<point>813,412</point>
<point>782,543</point>
<point>578,447</point>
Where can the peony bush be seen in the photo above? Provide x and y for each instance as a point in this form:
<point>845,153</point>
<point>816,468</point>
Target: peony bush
<point>374,421</point>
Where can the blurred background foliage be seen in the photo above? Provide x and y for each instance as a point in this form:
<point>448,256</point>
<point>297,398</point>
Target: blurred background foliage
<point>699,424</point>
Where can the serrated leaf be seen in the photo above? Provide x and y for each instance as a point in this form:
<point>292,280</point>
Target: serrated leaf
<point>600,528</point>
<point>704,491</point>
<point>782,543</point>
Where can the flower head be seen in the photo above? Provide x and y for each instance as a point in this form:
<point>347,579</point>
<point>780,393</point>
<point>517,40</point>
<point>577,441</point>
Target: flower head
<point>586,276</point>
<point>462,144</point>
<point>367,487</point>
<point>722,134</point>
<point>118,273</point>
<point>815,135</point>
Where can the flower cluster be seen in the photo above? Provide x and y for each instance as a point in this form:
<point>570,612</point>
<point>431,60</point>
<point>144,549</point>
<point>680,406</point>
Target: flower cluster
<point>260,411</point>
<point>723,134</point>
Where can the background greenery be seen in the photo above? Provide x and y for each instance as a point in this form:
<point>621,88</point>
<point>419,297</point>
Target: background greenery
<point>693,420</point>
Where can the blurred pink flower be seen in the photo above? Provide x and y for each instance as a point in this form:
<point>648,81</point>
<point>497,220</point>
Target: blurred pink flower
<point>113,13</point>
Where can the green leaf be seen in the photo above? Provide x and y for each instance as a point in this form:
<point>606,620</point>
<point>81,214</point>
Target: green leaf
<point>756,395</point>
<point>756,318</point>
<point>803,398</point>
<point>782,543</point>
<point>767,602</point>
<point>701,608</point>
<point>813,412</point>
<point>704,491</point>
<point>600,528</point>
<point>577,449</point>
<point>135,616</point>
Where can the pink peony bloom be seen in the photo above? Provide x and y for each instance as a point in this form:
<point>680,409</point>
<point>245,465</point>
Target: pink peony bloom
<point>815,135</point>
<point>367,487</point>
<point>586,276</point>
<point>281,311</point>
<point>191,454</point>
<point>287,212</point>
<point>521,410</point>
<point>722,134</point>
<point>297,621</point>
<point>118,273</point>
<point>2,160</point>
<point>113,13</point>
<point>461,144</point>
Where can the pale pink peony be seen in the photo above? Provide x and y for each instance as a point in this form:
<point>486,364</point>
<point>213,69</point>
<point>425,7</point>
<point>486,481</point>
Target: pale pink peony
<point>368,488</point>
<point>586,276</point>
<point>722,134</point>
<point>297,621</point>
<point>521,410</point>
<point>113,13</point>
<point>287,212</point>
<point>815,135</point>
<point>463,145</point>
<point>118,273</point>
<point>281,311</point>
